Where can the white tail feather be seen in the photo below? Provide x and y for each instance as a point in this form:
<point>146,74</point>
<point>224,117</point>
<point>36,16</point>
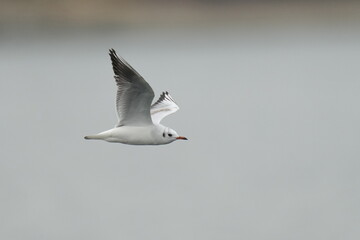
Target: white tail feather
<point>93,137</point>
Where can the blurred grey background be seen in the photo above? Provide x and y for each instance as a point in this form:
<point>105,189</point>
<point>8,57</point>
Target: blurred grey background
<point>269,98</point>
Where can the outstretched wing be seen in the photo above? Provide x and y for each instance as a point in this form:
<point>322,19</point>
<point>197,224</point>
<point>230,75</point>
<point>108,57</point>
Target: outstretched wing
<point>134,94</point>
<point>164,106</point>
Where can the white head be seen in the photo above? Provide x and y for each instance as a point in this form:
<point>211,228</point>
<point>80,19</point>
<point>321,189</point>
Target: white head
<point>169,135</point>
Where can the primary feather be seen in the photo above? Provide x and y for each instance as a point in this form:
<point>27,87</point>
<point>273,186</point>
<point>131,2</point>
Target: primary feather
<point>163,107</point>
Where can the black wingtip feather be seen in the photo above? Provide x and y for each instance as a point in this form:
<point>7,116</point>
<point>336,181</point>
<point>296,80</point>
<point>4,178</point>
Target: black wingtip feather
<point>111,50</point>
<point>118,64</point>
<point>122,70</point>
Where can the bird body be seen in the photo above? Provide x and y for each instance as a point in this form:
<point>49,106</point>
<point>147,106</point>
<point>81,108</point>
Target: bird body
<point>136,135</point>
<point>139,121</point>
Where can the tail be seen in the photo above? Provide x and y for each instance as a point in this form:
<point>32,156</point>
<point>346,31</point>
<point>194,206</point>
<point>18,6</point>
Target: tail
<point>92,137</point>
<point>100,136</point>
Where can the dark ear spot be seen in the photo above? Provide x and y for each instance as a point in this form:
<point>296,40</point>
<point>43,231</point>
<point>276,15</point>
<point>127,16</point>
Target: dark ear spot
<point>163,134</point>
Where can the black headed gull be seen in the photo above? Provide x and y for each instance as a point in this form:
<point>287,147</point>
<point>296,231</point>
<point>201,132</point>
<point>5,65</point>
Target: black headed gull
<point>139,121</point>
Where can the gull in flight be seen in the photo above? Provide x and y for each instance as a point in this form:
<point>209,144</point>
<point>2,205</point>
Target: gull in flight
<point>139,121</point>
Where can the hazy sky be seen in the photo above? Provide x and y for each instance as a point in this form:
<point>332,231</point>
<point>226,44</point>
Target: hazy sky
<point>271,113</point>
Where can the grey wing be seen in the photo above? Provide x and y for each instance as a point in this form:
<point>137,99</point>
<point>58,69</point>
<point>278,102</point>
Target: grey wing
<point>134,94</point>
<point>163,107</point>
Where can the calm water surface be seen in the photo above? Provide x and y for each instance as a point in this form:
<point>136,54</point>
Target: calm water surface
<point>272,115</point>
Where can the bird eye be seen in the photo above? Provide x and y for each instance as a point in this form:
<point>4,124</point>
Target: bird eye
<point>170,135</point>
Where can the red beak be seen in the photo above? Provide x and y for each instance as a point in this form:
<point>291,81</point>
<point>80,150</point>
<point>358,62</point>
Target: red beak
<point>182,138</point>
